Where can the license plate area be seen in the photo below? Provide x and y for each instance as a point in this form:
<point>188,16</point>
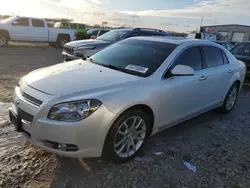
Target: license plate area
<point>16,121</point>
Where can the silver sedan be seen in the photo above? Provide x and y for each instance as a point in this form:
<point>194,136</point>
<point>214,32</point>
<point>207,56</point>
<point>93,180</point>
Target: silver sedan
<point>109,104</point>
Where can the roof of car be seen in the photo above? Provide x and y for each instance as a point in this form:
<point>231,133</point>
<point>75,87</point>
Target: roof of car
<point>173,40</point>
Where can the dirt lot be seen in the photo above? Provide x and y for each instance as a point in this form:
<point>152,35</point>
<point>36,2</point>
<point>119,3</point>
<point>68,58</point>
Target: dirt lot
<point>16,61</point>
<point>217,145</point>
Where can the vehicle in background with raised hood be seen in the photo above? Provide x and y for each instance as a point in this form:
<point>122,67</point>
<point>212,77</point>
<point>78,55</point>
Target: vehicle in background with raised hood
<point>29,29</point>
<point>242,53</point>
<point>109,104</point>
<point>85,48</point>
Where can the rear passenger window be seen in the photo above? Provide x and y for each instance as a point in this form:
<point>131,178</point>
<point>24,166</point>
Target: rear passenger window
<point>225,60</point>
<point>212,57</point>
<point>37,23</point>
<point>190,57</point>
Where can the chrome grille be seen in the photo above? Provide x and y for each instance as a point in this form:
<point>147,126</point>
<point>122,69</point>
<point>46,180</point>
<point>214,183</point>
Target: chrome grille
<point>68,49</point>
<point>31,99</point>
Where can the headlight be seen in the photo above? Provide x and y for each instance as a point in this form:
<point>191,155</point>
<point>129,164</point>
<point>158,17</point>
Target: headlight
<point>73,111</point>
<point>86,48</point>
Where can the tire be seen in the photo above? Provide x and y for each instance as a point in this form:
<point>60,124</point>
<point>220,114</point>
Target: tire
<point>230,99</point>
<point>120,135</point>
<point>62,40</point>
<point>3,40</point>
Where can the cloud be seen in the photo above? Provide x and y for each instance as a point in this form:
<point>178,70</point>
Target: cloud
<point>169,24</point>
<point>96,11</point>
<point>210,9</point>
<point>95,2</point>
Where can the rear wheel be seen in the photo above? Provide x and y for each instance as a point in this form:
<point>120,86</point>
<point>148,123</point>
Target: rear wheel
<point>62,40</point>
<point>230,99</point>
<point>3,40</point>
<point>127,136</point>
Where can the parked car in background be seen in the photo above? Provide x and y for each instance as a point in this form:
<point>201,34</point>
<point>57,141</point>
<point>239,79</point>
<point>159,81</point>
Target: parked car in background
<point>225,44</point>
<point>109,104</point>
<point>204,36</point>
<point>86,48</point>
<point>242,53</point>
<point>233,44</point>
<point>33,30</point>
<point>94,33</point>
<point>79,28</point>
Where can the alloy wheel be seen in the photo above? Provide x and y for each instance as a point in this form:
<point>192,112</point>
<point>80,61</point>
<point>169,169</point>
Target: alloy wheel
<point>130,136</point>
<point>231,98</point>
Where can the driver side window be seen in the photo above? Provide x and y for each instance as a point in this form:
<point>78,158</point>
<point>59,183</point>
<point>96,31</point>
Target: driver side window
<point>190,57</point>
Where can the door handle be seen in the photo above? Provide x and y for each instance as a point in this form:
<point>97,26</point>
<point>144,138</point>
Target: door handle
<point>202,78</point>
<point>230,71</point>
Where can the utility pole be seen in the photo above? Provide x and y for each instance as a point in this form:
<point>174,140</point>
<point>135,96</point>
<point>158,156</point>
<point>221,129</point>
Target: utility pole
<point>201,22</point>
<point>134,20</point>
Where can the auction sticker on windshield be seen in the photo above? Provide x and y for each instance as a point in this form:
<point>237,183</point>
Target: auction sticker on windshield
<point>137,68</point>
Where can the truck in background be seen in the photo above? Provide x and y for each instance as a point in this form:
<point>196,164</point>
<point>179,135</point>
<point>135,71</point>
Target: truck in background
<point>79,28</point>
<point>33,30</point>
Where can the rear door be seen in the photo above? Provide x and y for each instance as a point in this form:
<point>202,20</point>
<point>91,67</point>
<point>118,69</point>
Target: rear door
<point>20,29</point>
<point>217,74</point>
<point>39,30</point>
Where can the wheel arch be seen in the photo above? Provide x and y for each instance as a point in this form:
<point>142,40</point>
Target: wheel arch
<point>60,35</point>
<point>5,33</point>
<point>145,108</point>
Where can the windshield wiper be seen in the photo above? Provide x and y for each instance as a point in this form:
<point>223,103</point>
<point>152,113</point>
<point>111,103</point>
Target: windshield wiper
<point>109,66</point>
<point>120,69</point>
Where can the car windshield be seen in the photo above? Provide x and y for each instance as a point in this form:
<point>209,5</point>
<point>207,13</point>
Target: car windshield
<point>91,31</point>
<point>114,35</point>
<point>134,56</point>
<point>242,49</point>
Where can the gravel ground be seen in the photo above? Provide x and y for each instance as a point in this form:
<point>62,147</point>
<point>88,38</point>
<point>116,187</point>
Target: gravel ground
<point>216,144</point>
<point>16,61</point>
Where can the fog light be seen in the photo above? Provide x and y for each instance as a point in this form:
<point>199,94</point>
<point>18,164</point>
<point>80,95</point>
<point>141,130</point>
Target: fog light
<point>62,147</point>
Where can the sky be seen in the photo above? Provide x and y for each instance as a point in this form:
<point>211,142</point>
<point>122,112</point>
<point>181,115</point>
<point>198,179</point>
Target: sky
<point>170,15</point>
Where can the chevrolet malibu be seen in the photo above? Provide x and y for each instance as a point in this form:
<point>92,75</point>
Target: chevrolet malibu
<point>108,105</point>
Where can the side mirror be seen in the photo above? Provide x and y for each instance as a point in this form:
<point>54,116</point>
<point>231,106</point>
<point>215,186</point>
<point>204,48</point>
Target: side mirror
<point>93,37</point>
<point>182,70</point>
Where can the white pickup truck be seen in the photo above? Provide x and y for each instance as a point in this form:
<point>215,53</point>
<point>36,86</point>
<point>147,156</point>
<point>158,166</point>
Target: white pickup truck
<point>33,30</point>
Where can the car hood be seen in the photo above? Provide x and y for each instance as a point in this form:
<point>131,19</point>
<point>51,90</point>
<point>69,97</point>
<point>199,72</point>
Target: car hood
<point>75,76</point>
<point>88,42</point>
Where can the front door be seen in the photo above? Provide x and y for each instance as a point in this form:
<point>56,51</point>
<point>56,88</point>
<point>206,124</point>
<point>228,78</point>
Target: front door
<point>19,29</point>
<point>183,96</point>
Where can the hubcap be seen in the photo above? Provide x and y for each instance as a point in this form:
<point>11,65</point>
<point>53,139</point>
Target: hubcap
<point>130,136</point>
<point>2,41</point>
<point>231,98</point>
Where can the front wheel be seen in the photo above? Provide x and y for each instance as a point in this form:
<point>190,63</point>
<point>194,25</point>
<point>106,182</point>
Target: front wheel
<point>230,99</point>
<point>3,41</point>
<point>127,136</point>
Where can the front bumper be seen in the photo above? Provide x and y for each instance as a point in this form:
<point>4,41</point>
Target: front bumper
<point>69,57</point>
<point>88,135</point>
